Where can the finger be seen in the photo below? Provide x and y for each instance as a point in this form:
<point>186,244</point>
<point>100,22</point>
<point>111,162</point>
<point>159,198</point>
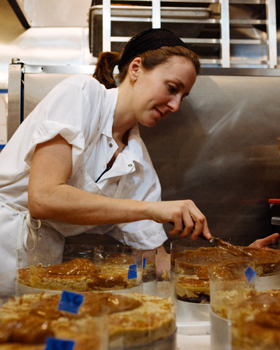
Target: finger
<point>201,227</point>
<point>198,229</point>
<point>270,239</point>
<point>178,227</point>
<point>189,227</point>
<point>260,243</point>
<point>206,232</point>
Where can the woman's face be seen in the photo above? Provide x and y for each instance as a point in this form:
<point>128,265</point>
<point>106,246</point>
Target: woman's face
<point>158,92</point>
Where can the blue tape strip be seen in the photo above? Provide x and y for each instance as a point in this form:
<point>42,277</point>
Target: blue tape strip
<point>59,344</point>
<point>250,274</point>
<point>144,263</point>
<point>132,272</point>
<point>2,146</point>
<point>70,302</point>
<point>3,91</point>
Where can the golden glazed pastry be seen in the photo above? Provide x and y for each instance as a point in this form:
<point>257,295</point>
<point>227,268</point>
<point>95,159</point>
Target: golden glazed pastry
<point>267,261</point>
<point>149,272</point>
<point>26,322</point>
<point>191,269</point>
<point>153,320</point>
<point>191,273</point>
<point>224,300</point>
<point>192,289</point>
<point>256,322</point>
<point>79,275</point>
<point>197,261</point>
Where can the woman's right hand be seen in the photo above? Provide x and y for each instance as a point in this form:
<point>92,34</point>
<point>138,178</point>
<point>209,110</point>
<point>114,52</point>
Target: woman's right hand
<point>185,216</point>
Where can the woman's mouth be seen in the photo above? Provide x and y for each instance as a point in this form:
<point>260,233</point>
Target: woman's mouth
<point>160,115</point>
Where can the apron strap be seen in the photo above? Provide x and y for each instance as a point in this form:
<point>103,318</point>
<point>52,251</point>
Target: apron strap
<point>23,236</point>
<point>32,225</point>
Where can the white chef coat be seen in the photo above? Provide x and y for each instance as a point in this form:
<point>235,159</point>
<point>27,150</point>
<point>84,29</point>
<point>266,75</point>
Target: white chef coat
<point>81,110</point>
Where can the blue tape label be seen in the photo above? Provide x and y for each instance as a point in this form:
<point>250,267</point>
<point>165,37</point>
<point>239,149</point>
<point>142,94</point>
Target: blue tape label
<point>132,272</point>
<point>70,302</point>
<point>250,274</point>
<point>144,262</point>
<point>59,344</point>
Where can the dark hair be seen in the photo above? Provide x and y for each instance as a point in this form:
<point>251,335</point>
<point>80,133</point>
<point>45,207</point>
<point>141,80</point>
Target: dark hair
<point>105,68</point>
<point>151,58</point>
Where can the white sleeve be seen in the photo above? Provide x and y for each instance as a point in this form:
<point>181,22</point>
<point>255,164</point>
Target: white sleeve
<point>67,110</point>
<point>144,234</point>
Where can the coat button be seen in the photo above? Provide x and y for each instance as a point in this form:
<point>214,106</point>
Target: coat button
<point>130,165</point>
<point>110,145</point>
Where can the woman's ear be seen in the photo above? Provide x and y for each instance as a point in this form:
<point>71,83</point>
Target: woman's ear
<point>134,69</point>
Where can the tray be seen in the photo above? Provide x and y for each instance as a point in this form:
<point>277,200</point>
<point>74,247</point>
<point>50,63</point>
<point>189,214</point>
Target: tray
<point>146,11</point>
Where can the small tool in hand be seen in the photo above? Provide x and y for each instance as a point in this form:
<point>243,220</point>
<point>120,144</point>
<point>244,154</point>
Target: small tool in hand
<point>230,248</point>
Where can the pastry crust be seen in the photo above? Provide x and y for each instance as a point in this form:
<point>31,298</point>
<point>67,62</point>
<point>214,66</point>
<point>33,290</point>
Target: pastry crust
<point>79,275</point>
<point>256,322</point>
<point>191,269</point>
<point>134,319</point>
<point>153,320</point>
<point>192,289</point>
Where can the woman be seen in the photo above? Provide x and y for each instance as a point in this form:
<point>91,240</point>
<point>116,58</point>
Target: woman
<point>77,163</point>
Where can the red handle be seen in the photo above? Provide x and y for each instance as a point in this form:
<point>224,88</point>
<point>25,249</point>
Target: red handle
<point>274,201</point>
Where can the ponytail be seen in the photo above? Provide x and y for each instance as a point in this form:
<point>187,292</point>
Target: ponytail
<point>104,68</point>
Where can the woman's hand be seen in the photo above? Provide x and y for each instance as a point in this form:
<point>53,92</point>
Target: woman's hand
<point>185,216</point>
<point>260,243</point>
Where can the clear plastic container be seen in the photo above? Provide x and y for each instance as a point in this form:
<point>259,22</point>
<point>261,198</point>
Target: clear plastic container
<point>44,321</point>
<point>255,322</point>
<point>101,268</point>
<point>121,267</point>
<point>149,272</point>
<point>143,321</point>
<point>267,265</point>
<point>152,326</point>
<point>190,261</point>
<point>231,281</point>
<point>190,264</point>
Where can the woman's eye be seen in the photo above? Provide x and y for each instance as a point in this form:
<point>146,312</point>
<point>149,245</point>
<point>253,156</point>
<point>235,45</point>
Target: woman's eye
<point>172,88</point>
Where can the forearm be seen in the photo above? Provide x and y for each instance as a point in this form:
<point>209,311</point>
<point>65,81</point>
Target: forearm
<point>65,203</point>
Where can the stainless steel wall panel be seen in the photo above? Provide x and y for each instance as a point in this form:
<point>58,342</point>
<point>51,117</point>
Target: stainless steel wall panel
<point>221,150</point>
<point>53,13</point>
<point>46,80</point>
<point>14,101</point>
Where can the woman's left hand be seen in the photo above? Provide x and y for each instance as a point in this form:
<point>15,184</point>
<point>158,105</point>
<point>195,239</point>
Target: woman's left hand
<point>263,242</point>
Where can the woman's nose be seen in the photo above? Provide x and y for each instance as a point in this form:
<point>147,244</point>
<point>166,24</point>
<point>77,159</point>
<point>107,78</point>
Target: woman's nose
<point>174,103</point>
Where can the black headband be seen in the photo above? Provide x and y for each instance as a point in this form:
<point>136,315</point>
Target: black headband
<point>151,39</point>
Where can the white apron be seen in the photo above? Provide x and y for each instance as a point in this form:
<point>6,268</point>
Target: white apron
<point>31,244</point>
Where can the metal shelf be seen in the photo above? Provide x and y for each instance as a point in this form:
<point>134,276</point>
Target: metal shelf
<point>218,23</point>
